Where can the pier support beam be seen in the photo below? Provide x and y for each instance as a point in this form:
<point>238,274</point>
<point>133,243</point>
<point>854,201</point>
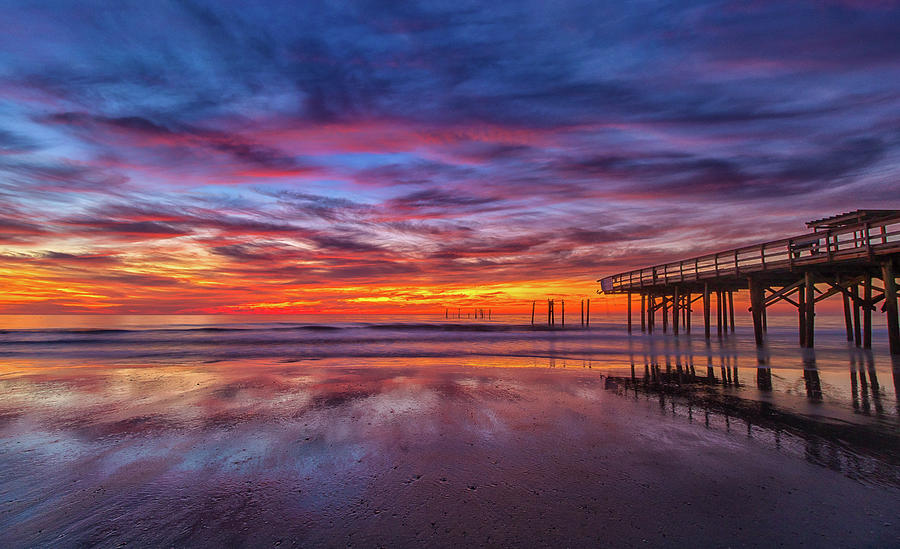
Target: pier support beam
<point>867,313</point>
<point>676,306</point>
<point>731,310</point>
<point>665,312</point>
<point>689,307</point>
<point>757,304</point>
<point>643,312</point>
<point>801,315</point>
<point>857,328</point>
<point>890,305</point>
<point>848,318</point>
<point>810,309</point>
<point>706,309</point>
<point>629,312</point>
<point>719,312</point>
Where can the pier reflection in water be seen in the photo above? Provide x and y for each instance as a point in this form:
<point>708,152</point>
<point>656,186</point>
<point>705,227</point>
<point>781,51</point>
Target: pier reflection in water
<point>862,442</point>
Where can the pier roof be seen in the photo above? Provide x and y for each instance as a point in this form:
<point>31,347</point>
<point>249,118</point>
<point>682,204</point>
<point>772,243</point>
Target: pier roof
<point>850,218</point>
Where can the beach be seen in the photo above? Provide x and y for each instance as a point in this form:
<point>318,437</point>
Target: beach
<point>236,432</point>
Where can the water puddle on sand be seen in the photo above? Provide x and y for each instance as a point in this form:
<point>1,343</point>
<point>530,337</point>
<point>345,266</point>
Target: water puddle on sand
<point>440,451</point>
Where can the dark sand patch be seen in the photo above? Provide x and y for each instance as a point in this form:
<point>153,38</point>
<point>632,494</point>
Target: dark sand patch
<point>336,454</point>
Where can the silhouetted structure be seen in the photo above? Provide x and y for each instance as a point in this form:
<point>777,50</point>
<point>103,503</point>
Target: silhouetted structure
<point>842,256</point>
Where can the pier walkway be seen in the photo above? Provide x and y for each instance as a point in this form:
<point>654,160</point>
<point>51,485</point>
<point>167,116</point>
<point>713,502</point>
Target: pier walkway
<point>842,256</point>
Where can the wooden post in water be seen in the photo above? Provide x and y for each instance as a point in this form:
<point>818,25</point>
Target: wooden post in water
<point>810,310</point>
<point>731,310</point>
<point>848,318</point>
<point>688,307</point>
<point>532,312</point>
<point>867,313</point>
<point>675,310</point>
<point>665,311</point>
<point>857,322</point>
<point>651,314</point>
<point>801,314</point>
<point>582,312</point>
<point>643,312</point>
<point>890,305</point>
<point>587,312</point>
<point>720,313</point>
<point>757,305</point>
<point>629,312</point>
<point>706,309</point>
<point>720,304</point>
<point>549,312</point>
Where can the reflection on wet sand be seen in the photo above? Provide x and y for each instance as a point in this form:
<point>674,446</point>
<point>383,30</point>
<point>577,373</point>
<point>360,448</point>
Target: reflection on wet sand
<point>424,452</point>
<point>868,451</point>
<point>365,434</point>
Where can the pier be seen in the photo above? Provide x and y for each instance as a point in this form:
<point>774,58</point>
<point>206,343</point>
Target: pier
<point>843,256</point>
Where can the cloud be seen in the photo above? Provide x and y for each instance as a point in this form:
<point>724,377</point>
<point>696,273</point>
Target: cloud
<point>209,156</point>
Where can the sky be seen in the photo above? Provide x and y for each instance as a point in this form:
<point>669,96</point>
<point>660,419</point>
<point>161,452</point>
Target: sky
<point>306,157</point>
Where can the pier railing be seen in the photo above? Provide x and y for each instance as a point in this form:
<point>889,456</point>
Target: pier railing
<point>840,244</point>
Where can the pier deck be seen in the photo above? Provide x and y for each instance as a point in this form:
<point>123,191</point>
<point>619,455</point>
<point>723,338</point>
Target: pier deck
<point>841,256</point>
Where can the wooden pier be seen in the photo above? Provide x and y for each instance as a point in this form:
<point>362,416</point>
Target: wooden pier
<point>843,256</point>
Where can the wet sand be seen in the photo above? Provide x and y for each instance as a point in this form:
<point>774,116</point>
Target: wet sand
<point>408,452</point>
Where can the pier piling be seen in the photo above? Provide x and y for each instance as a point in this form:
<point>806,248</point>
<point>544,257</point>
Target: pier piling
<point>706,326</point>
<point>890,306</point>
<point>629,312</point>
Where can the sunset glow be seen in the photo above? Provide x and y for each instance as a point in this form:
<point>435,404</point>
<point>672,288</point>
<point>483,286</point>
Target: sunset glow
<point>235,158</point>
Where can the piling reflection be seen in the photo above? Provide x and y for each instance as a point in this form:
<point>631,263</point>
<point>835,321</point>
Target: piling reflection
<point>763,371</point>
<point>811,376</point>
<point>868,451</point>
<point>864,386</point>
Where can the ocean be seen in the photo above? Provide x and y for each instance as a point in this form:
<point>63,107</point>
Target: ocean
<point>418,429</point>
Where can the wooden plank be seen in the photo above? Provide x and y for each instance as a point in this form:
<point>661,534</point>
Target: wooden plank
<point>783,293</point>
